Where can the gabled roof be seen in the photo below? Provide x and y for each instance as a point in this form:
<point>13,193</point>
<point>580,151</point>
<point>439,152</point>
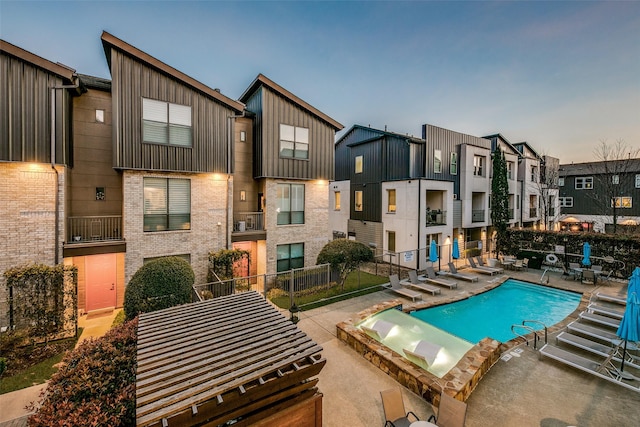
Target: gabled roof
<point>262,80</point>
<point>504,140</point>
<point>381,133</point>
<point>58,69</point>
<point>112,42</point>
<point>521,146</point>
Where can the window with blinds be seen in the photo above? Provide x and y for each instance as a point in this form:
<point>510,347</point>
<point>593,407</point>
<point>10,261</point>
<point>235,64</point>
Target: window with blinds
<point>167,204</point>
<point>166,123</point>
<point>290,201</point>
<point>294,142</point>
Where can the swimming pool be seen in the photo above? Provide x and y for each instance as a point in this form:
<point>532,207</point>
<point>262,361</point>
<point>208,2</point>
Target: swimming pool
<point>492,313</point>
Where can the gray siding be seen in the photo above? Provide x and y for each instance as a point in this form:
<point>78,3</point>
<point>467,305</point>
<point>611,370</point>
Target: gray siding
<point>131,81</point>
<point>25,114</point>
<point>266,103</point>
<point>596,201</point>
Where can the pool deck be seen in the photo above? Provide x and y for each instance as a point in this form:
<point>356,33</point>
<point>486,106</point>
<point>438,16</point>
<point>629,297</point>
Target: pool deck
<point>524,391</point>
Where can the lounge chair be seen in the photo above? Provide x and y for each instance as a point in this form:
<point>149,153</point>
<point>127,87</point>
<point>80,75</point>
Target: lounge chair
<point>432,277</point>
<point>451,412</point>
<point>453,272</point>
<point>607,311</point>
<point>518,265</point>
<point>605,335</point>
<point>611,298</point>
<point>597,348</point>
<point>394,412</point>
<point>484,270</point>
<point>605,369</point>
<point>414,282</point>
<point>601,320</point>
<point>425,351</point>
<point>395,286</point>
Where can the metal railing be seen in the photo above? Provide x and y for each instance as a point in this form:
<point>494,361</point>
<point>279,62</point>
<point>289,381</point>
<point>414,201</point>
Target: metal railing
<point>477,215</point>
<point>94,228</point>
<point>436,217</point>
<point>248,221</point>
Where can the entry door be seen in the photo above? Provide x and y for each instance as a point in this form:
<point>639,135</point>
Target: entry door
<point>100,281</point>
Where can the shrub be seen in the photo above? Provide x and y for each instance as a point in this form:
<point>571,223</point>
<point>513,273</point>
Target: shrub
<point>223,262</point>
<point>161,283</point>
<point>95,385</point>
<point>344,256</point>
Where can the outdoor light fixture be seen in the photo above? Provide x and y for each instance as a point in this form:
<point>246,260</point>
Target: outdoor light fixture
<point>294,310</point>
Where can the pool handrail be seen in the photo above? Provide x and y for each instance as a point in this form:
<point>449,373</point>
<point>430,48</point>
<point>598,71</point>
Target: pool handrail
<point>531,330</point>
<point>546,332</point>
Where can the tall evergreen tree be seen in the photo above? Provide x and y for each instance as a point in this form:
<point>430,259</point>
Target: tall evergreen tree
<point>499,199</point>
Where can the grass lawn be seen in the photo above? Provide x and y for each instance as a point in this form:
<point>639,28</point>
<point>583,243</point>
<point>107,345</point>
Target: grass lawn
<point>355,281</point>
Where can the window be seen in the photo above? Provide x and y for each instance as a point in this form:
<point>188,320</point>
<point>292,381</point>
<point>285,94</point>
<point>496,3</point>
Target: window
<point>359,164</point>
<point>336,200</point>
<point>584,183</point>
<point>101,193</point>
<point>290,204</point>
<point>391,241</point>
<point>561,182</point>
<point>243,196</point>
<point>566,202</point>
<point>509,170</point>
<point>391,201</point>
<point>290,256</point>
<point>615,179</point>
<point>100,116</point>
<point>294,142</point>
<point>437,161</point>
<point>534,174</point>
<point>622,202</point>
<point>243,136</point>
<point>638,181</point>
<point>167,204</point>
<point>358,201</point>
<point>478,166</point>
<point>166,123</point>
<point>453,164</point>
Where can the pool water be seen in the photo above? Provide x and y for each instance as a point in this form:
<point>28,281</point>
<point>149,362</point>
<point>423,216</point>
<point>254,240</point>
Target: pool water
<point>492,313</point>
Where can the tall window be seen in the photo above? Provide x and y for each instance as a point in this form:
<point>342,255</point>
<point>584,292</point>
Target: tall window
<point>638,181</point>
<point>166,123</point>
<point>336,200</point>
<point>566,202</point>
<point>290,200</point>
<point>391,200</point>
<point>561,182</point>
<point>391,241</point>
<point>534,174</point>
<point>167,204</point>
<point>622,202</point>
<point>294,142</point>
<point>453,164</point>
<point>615,179</point>
<point>584,183</point>
<point>359,165</point>
<point>509,170</point>
<point>290,256</point>
<point>478,165</point>
<point>437,161</point>
<point>358,201</point>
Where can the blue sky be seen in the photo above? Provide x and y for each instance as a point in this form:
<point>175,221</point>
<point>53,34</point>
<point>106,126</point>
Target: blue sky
<point>560,75</point>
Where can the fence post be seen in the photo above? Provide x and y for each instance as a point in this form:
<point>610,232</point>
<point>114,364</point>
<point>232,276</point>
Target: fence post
<point>291,288</point>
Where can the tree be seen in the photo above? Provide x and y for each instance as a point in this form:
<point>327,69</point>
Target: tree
<point>547,187</point>
<point>499,199</point>
<point>344,256</point>
<point>222,263</point>
<point>616,165</point>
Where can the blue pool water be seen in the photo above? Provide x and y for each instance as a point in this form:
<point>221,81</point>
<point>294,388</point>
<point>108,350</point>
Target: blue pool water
<point>492,313</point>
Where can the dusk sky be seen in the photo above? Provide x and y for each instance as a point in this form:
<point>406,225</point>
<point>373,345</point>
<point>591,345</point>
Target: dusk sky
<point>560,75</point>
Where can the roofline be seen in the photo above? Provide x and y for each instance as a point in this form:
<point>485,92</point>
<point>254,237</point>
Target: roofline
<point>261,79</point>
<point>538,156</point>
<point>111,41</point>
<point>501,136</point>
<point>55,68</point>
<point>382,133</point>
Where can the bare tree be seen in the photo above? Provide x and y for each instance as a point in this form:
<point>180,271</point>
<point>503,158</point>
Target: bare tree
<point>613,175</point>
<point>546,186</point>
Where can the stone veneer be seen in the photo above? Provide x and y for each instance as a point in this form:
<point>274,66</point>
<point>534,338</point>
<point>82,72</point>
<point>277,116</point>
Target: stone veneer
<point>208,208</point>
<point>462,379</point>
<point>313,233</point>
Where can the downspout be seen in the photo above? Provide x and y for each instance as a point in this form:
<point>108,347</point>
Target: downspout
<point>53,165</point>
<point>229,165</point>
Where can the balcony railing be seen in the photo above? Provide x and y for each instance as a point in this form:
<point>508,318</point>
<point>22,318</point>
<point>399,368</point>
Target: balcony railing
<point>533,212</point>
<point>436,217</point>
<point>82,229</point>
<point>248,221</point>
<point>477,215</point>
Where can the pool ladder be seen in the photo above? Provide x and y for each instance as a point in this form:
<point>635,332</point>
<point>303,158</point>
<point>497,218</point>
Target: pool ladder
<point>530,330</point>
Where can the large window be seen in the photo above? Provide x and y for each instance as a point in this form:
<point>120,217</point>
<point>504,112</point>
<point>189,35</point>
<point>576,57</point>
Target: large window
<point>510,169</point>
<point>166,123</point>
<point>437,161</point>
<point>622,202</point>
<point>391,241</point>
<point>358,166</point>
<point>294,142</point>
<point>453,164</point>
<point>566,202</point>
<point>167,204</point>
<point>391,201</point>
<point>478,165</point>
<point>584,183</point>
<point>358,201</point>
<point>290,204</point>
<point>290,256</point>
<point>336,200</point>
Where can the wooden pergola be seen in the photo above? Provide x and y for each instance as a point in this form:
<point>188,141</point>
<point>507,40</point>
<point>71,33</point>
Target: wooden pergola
<point>233,358</point>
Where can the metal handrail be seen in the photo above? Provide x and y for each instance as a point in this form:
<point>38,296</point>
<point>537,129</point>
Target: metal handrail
<point>546,334</point>
<point>530,329</point>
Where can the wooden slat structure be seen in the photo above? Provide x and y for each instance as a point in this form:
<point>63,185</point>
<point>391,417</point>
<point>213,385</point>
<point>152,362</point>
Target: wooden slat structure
<point>230,358</point>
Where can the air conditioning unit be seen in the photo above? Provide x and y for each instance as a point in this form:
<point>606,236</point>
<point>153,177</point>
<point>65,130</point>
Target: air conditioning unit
<point>242,226</point>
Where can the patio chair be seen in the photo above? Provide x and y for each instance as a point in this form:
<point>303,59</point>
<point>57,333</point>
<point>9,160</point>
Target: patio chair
<point>395,286</point>
<point>432,277</point>
<point>588,277</point>
<point>451,412</point>
<point>394,411</point>
<point>453,271</point>
<point>525,264</point>
<point>415,282</point>
<point>518,265</point>
<point>568,274</point>
<point>484,270</point>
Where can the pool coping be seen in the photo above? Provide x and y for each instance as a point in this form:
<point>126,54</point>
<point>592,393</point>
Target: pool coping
<point>463,378</point>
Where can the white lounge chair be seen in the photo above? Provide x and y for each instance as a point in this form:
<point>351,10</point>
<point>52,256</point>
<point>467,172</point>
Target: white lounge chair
<point>607,311</point>
<point>484,270</point>
<point>432,277</point>
<point>414,282</point>
<point>395,286</point>
<point>597,348</point>
<point>453,272</point>
<point>482,264</point>
<point>601,320</point>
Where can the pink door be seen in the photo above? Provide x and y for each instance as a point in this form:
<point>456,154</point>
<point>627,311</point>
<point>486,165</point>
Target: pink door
<point>100,281</point>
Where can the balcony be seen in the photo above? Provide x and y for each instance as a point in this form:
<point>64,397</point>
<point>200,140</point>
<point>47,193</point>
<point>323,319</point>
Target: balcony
<point>84,229</point>
<point>436,217</point>
<point>477,215</point>
<point>248,221</point>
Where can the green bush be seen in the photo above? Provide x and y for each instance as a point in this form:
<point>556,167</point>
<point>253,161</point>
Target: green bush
<point>161,283</point>
<point>96,384</point>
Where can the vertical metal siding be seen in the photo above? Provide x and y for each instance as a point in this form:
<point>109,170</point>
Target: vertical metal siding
<point>132,81</point>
